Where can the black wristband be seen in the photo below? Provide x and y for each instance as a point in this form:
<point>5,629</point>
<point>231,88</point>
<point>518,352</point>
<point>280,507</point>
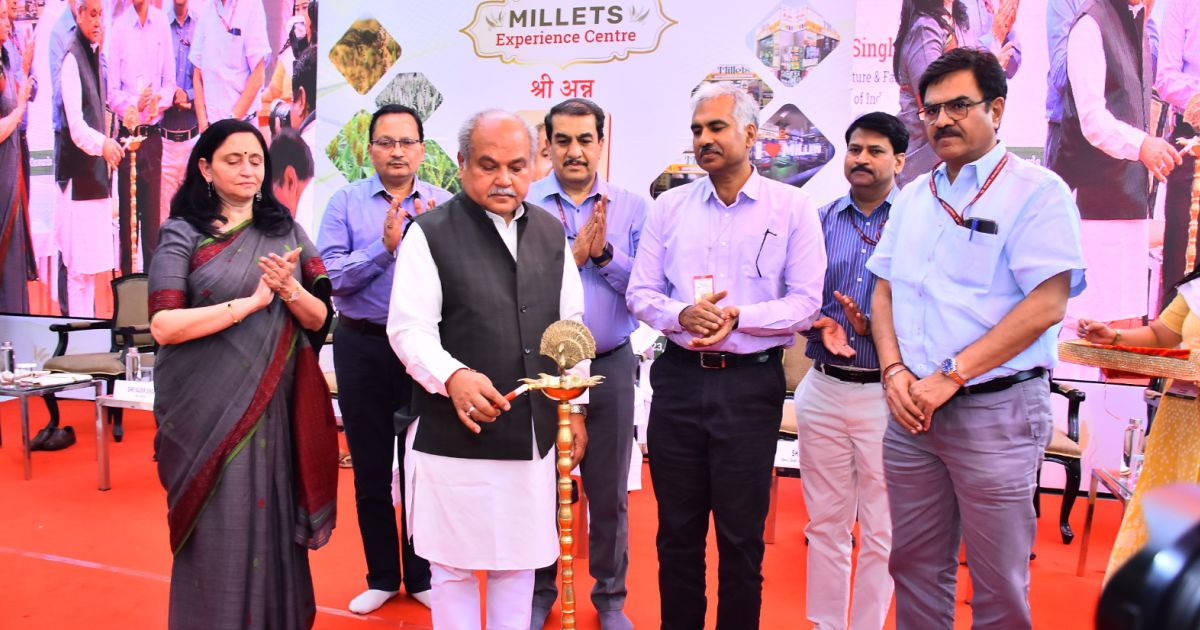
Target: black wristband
<point>604,257</point>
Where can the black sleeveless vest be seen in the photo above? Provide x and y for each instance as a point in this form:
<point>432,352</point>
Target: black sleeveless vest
<point>1109,188</point>
<point>88,174</point>
<point>494,311</point>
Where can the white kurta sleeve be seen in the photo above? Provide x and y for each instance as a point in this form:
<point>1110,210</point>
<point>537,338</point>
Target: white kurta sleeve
<point>415,312</point>
<point>570,306</point>
<point>1086,69</point>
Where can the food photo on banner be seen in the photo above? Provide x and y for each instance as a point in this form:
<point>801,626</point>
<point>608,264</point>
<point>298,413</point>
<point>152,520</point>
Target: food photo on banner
<point>109,97</point>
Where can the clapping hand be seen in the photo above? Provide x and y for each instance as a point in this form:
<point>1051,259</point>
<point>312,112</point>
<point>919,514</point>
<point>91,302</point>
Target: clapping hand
<point>833,337</point>
<point>858,321</point>
<point>278,270</point>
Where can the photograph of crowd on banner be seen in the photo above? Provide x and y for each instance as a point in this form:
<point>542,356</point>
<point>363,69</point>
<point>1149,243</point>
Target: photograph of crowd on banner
<point>101,104</point>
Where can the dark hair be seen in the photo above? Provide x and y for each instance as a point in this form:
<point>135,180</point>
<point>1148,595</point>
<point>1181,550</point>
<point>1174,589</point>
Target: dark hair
<point>304,75</point>
<point>883,124</point>
<point>312,23</point>
<point>396,108</point>
<point>989,74</point>
<point>195,204</point>
<point>910,10</point>
<point>289,149</point>
<point>575,107</point>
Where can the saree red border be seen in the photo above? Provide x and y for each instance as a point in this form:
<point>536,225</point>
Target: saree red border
<point>167,299</point>
<point>183,516</point>
<point>312,269</point>
<point>208,251</point>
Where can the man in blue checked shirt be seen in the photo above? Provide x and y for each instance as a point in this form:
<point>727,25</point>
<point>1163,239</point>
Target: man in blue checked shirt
<point>360,232</point>
<point>841,412</point>
<point>603,224</point>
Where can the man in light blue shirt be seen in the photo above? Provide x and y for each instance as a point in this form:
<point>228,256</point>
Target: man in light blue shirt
<point>230,53</point>
<point>974,271</point>
<point>360,232</point>
<point>603,224</point>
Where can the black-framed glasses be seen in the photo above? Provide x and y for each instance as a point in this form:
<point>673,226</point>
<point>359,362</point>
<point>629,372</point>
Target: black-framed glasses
<point>387,143</point>
<point>956,110</point>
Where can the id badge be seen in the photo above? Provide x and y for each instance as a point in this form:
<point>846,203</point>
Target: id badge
<point>702,286</point>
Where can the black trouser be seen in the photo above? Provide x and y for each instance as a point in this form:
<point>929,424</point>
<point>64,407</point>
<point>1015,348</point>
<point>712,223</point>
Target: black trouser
<point>712,438</point>
<point>372,385</point>
<point>149,189</point>
<point>605,473</point>
<point>1178,203</point>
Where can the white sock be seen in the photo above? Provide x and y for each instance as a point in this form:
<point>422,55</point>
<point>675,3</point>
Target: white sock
<point>424,597</point>
<point>369,600</point>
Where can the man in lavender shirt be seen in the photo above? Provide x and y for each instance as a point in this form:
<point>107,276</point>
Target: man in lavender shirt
<point>603,224</point>
<point>141,87</point>
<point>360,232</point>
<point>730,268</point>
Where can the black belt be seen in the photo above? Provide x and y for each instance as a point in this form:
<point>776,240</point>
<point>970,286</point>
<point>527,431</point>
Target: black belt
<point>722,360</point>
<point>181,136</point>
<point>609,353</point>
<point>849,376</point>
<point>1002,383</point>
<point>363,326</point>
<point>148,131</point>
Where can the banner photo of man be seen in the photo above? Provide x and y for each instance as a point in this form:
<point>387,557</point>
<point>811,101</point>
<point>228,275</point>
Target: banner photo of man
<point>82,203</point>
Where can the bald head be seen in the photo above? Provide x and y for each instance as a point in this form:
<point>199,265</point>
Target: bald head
<point>495,160</point>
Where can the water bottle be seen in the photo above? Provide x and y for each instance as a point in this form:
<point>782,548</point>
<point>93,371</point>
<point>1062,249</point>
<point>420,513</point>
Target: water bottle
<point>8,361</point>
<point>1131,453</point>
<point>133,364</point>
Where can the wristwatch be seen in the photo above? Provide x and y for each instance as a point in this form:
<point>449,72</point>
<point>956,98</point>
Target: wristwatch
<point>604,256</point>
<point>579,409</point>
<point>293,296</point>
<point>949,367</point>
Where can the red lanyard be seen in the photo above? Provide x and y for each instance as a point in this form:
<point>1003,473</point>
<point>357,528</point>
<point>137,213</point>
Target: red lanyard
<point>562,216</point>
<point>863,235</point>
<point>232,12</point>
<point>958,218</point>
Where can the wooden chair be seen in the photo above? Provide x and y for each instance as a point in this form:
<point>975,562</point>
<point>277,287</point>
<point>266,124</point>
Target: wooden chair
<point>128,328</point>
<point>1066,450</point>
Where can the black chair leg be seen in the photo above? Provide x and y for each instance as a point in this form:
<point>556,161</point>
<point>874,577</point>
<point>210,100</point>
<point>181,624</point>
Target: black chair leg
<point>118,429</point>
<point>1037,494</point>
<point>52,407</point>
<point>1070,492</point>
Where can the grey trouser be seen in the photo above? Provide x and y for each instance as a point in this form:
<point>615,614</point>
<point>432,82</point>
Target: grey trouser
<point>605,472</point>
<point>970,477</point>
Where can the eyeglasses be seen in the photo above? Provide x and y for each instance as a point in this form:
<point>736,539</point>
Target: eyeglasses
<point>387,143</point>
<point>956,110</point>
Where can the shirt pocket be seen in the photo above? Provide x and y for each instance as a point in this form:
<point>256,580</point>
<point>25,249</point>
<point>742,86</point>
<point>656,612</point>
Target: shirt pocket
<point>763,255</point>
<point>970,258</point>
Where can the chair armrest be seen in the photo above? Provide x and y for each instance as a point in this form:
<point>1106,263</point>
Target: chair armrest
<point>127,333</point>
<point>1075,398</point>
<point>64,329</point>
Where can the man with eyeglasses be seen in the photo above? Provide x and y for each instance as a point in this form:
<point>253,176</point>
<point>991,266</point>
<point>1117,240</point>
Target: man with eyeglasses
<point>730,267</point>
<point>603,224</point>
<point>359,235</point>
<point>974,271</point>
<point>1107,154</point>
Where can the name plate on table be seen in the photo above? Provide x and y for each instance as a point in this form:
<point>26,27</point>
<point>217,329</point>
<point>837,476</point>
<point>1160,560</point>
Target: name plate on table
<point>139,391</point>
<point>787,454</point>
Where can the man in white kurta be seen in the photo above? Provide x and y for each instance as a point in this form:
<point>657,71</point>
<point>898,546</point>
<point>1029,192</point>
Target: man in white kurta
<point>83,229</point>
<point>477,514</point>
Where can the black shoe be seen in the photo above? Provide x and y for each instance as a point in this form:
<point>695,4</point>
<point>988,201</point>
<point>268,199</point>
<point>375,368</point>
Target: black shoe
<point>38,440</point>
<point>60,439</point>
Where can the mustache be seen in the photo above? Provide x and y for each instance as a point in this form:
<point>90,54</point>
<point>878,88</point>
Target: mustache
<point>946,132</point>
<point>710,148</point>
<point>575,162</point>
<point>397,163</point>
<point>496,191</point>
<point>862,168</point>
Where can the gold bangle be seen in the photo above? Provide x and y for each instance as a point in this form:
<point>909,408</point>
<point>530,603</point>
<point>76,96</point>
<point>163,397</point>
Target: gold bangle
<point>1116,337</point>
<point>229,305</point>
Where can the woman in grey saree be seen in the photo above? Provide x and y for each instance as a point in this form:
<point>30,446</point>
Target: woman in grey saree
<point>246,445</point>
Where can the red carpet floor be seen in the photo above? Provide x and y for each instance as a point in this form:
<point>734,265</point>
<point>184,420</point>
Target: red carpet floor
<point>73,557</point>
